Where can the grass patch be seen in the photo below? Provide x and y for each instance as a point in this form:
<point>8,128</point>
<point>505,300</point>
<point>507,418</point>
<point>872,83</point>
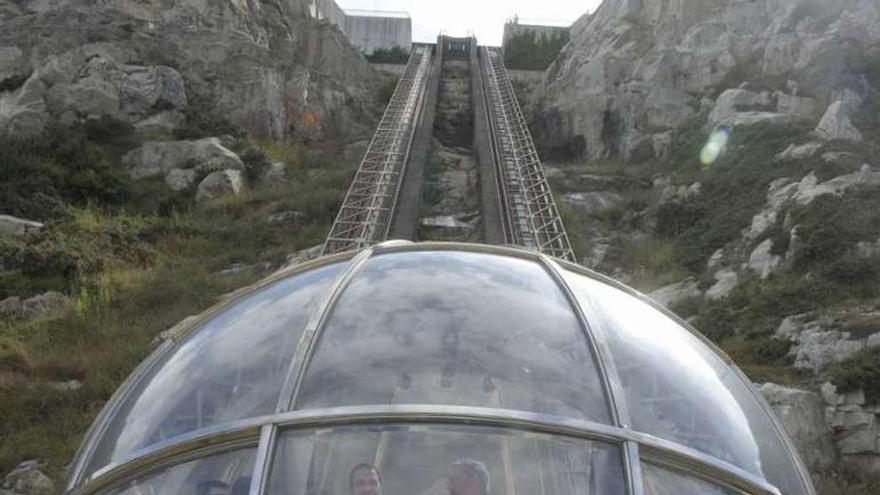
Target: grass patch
<point>135,258</point>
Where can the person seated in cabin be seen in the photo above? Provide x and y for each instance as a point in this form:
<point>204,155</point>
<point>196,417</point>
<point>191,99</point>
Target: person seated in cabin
<point>212,487</point>
<point>365,480</point>
<point>468,477</point>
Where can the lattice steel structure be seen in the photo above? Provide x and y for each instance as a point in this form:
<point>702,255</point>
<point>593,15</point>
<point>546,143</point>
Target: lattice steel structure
<point>365,215</point>
<point>530,215</point>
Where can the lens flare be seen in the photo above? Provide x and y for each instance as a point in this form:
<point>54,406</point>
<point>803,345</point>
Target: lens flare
<point>714,147</point>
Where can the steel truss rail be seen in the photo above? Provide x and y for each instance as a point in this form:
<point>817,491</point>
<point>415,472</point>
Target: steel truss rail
<point>365,215</point>
<point>532,218</point>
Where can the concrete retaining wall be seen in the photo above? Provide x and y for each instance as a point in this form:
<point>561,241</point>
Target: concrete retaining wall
<point>371,33</point>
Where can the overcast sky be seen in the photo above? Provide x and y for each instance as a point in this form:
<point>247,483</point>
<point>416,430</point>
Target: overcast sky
<point>485,18</point>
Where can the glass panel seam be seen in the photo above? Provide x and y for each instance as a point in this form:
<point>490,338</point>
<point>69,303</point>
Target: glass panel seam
<point>166,457</point>
<point>598,347</point>
<point>263,459</point>
<point>633,468</point>
<point>311,334</point>
<point>781,434</point>
<point>665,452</point>
<point>586,272</point>
<point>99,427</point>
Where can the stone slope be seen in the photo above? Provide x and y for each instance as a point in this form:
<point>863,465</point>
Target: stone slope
<point>267,66</point>
<point>638,68</point>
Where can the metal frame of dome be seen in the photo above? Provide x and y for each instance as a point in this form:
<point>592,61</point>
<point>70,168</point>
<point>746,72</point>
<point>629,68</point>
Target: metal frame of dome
<point>261,432</point>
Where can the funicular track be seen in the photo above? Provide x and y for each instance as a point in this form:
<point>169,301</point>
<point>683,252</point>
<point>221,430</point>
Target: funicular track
<point>366,212</point>
<point>386,196</point>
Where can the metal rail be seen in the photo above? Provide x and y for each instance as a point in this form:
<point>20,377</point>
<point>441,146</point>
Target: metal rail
<point>532,218</point>
<point>365,215</point>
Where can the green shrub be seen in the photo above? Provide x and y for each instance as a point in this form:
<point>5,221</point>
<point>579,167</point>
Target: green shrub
<point>203,119</point>
<point>38,178</point>
<point>386,91</point>
<point>860,372</point>
<point>394,55</point>
<point>676,217</point>
<point>832,225</point>
<point>530,51</point>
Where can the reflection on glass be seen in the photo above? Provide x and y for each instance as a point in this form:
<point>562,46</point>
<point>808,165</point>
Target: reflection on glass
<point>457,329</point>
<point>680,390</point>
<point>427,459</point>
<point>232,368</point>
<point>659,481</point>
<point>223,474</point>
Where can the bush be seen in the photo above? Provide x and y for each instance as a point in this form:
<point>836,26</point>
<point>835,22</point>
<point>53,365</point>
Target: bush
<point>832,225</point>
<point>860,372</point>
<point>38,178</point>
<point>394,55</point>
<point>530,51</point>
<point>386,91</point>
<point>203,119</point>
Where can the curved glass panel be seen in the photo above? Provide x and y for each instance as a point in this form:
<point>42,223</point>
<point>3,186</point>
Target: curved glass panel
<point>433,459</point>
<point>223,474</point>
<point>455,328</point>
<point>677,388</point>
<point>231,368</point>
<point>659,481</point>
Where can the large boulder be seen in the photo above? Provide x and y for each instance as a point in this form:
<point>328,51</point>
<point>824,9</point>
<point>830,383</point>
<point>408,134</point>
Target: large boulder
<point>11,226</point>
<point>802,415</point>
<point>762,260</point>
<point>670,294</point>
<point>23,112</point>
<point>160,157</point>
<point>47,304</point>
<point>28,479</point>
<point>220,183</point>
<point>810,188</point>
<point>725,282</point>
<point>836,124</point>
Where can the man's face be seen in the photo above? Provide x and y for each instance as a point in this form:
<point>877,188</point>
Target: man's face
<point>462,483</point>
<point>366,482</point>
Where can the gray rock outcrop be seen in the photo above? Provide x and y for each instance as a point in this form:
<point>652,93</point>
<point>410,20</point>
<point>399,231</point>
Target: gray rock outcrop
<point>762,261</point>
<point>725,282</point>
<point>803,416</point>
<point>836,124</point>
<point>16,308</point>
<point>269,67</point>
<point>676,292</point>
<point>633,70</point>
<point>28,479</point>
<point>220,183</point>
<point>11,226</point>
<point>162,157</point>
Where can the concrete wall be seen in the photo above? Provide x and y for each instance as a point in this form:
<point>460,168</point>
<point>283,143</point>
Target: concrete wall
<point>370,33</point>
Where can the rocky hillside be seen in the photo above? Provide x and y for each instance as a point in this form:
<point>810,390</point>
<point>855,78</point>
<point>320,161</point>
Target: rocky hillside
<point>267,66</point>
<point>153,157</point>
<point>722,156</point>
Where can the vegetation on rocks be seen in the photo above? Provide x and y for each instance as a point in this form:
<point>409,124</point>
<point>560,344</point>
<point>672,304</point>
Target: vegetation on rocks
<point>394,55</point>
<point>533,51</point>
<point>134,257</point>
